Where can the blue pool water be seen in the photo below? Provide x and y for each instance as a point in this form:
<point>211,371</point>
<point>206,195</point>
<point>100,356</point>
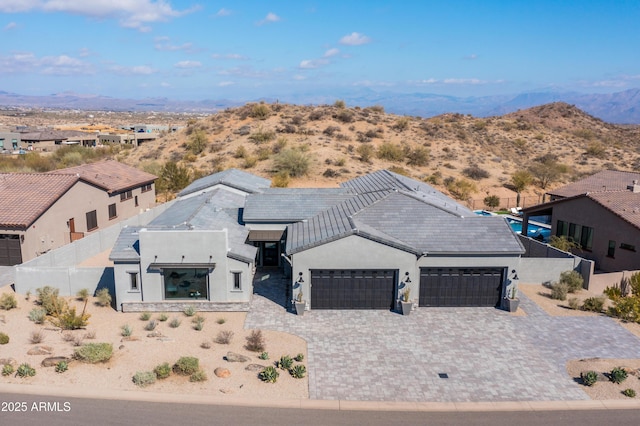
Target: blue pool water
<point>534,231</point>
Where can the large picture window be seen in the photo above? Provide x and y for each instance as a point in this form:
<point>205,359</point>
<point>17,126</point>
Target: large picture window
<point>186,283</point>
<point>92,220</point>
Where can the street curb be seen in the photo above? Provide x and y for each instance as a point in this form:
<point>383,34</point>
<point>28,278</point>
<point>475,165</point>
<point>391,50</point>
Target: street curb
<point>316,404</point>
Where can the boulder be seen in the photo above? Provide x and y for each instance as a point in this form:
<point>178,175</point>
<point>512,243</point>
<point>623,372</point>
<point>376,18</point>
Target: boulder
<point>226,390</point>
<point>40,350</point>
<point>254,367</point>
<point>222,372</point>
<point>156,333</point>
<point>130,339</point>
<point>53,360</point>
<point>10,361</point>
<point>234,357</point>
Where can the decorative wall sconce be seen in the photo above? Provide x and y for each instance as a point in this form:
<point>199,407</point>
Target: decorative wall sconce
<point>300,280</point>
<point>406,280</point>
<point>515,275</point>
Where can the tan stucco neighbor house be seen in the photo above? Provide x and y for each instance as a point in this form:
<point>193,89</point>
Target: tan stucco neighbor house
<point>601,214</point>
<point>42,211</point>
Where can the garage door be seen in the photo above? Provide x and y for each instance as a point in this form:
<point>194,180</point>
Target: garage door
<point>10,253</point>
<point>460,286</point>
<point>352,289</point>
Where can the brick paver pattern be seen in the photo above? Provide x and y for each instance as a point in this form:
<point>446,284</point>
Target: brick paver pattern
<point>487,354</point>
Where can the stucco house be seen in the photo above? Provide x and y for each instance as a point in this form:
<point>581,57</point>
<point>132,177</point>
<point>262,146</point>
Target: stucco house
<point>600,213</point>
<point>354,247</point>
<point>42,211</point>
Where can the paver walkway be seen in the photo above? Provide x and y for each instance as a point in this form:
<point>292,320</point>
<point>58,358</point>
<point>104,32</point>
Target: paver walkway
<point>488,354</point>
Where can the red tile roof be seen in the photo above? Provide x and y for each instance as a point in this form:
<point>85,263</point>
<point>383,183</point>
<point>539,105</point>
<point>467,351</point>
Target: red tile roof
<point>110,175</point>
<point>607,180</point>
<point>25,196</point>
<point>625,204</point>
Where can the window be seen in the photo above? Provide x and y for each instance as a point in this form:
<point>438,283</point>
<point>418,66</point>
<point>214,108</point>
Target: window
<point>133,281</point>
<point>146,187</point>
<point>136,202</point>
<point>186,283</point>
<point>92,220</point>
<point>612,249</point>
<point>1,143</point>
<point>237,280</point>
<point>586,238</point>
<point>626,246</point>
<point>113,212</point>
<point>582,235</point>
<point>126,195</point>
<point>562,228</point>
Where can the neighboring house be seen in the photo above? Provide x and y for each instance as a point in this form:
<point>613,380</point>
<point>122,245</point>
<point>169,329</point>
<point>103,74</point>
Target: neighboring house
<point>354,247</point>
<point>43,211</point>
<point>9,141</point>
<point>600,213</point>
<point>50,139</point>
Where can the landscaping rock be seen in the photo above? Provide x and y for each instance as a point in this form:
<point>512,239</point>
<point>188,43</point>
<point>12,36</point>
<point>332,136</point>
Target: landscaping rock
<point>222,372</point>
<point>40,350</point>
<point>53,360</point>
<point>156,333</point>
<point>130,339</point>
<point>234,357</point>
<point>10,361</point>
<point>254,367</point>
<point>226,390</point>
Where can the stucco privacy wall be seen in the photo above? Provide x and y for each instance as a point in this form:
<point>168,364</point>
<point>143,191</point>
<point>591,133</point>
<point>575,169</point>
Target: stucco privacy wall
<point>56,268</point>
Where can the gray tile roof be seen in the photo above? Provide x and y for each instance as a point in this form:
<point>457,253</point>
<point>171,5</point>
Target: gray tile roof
<point>292,205</point>
<point>607,180</point>
<point>127,247</point>
<point>232,178</point>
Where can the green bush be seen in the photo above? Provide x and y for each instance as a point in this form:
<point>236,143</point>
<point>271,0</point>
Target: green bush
<point>298,371</point>
<point>189,311</point>
<point>299,357</point>
<point>264,355</point>
<point>491,201</point>
<point>593,304</point>
<point>62,366</point>
<point>260,111</point>
<point>255,341</point>
<point>221,320</point>
<point>198,376</point>
<point>626,308</point>
<point>262,136</point>
<point>629,392</point>
<point>589,378</point>
<point>7,370</point>
<point>144,378</point>
<point>103,297</point>
<point>573,280</point>
<point>618,375</point>
<point>559,291</point>
<point>94,353</point>
<point>269,374</point>
<point>292,161</point>
<point>8,301</point>
<point>47,297</point>
<point>224,337</point>
<point>25,370</point>
<point>162,371</point>
<point>68,319</point>
<point>151,325</point>
<point>37,315</point>
<point>390,152</point>
<point>285,362</point>
<point>174,323</point>
<point>83,294</point>
<point>163,317</point>
<point>145,316</point>
<point>4,339</point>
<point>126,330</point>
<point>186,366</point>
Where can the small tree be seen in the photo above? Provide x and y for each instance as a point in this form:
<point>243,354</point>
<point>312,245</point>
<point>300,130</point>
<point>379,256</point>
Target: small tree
<point>491,201</point>
<point>520,180</point>
<point>292,161</point>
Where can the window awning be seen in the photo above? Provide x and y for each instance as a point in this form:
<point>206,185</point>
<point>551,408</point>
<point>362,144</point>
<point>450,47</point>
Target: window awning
<point>181,265</point>
<point>261,235</point>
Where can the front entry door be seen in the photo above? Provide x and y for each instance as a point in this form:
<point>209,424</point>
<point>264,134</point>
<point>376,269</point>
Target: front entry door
<point>270,254</point>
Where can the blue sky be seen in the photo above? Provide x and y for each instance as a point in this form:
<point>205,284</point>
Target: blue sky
<point>244,50</point>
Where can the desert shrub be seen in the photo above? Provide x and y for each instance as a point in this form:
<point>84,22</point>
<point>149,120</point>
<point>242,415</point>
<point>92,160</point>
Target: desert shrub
<point>255,341</point>
<point>262,136</point>
<point>389,151</point>
<point>292,161</point>
<point>299,357</point>
<point>573,279</point>
<point>78,340</point>
<point>460,188</point>
<point>47,297</point>
<point>37,315</point>
<point>331,130</point>
<point>25,370</point>
<point>562,243</point>
<point>629,393</point>
<point>103,297</point>
<point>198,323</point>
<point>240,152</point>
<point>264,355</point>
<point>90,335</point>
<point>144,378</point>
<point>589,378</point>
<point>4,338</point>
<point>224,337</point>
<point>475,172</point>
<point>298,371</point>
<point>559,291</point>
<point>197,142</point>
<point>69,319</point>
<point>174,323</point>
<point>189,311</point>
<point>491,201</point>
<point>221,320</point>
<point>574,303</point>
<point>7,370</point>
<point>269,375</point>
<point>281,180</point>
<point>401,124</point>
<point>593,304</point>
<point>596,149</point>
<point>126,330</point>
<point>260,111</point>
<point>8,301</point>
<point>263,153</point>
<point>418,156</point>
<point>151,325</point>
<point>365,152</point>
<point>162,371</point>
<point>68,336</point>
<point>345,116</point>
<point>285,362</point>
<point>62,366</point>
<point>145,316</point>
<point>249,162</point>
<point>94,353</point>
<point>618,375</point>
<point>36,337</point>
<point>83,294</point>
<point>163,317</point>
<point>198,376</point>
<point>205,345</point>
<point>186,366</point>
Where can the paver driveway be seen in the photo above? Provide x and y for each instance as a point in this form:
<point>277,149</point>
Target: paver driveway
<point>488,354</point>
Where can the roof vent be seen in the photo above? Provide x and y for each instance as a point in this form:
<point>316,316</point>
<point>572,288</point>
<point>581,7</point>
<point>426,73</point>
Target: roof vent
<point>634,187</point>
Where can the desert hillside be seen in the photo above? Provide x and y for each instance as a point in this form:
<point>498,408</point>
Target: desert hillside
<point>467,157</point>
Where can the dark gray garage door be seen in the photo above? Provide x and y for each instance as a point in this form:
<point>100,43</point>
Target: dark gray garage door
<point>460,286</point>
<point>10,253</point>
<point>352,289</point>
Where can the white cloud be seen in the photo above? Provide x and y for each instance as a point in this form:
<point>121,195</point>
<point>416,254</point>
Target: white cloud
<point>308,64</point>
<point>84,52</point>
<point>64,65</point>
<point>167,47</point>
<point>331,52</point>
<point>299,77</point>
<point>471,57</point>
<point>226,83</point>
<point>473,81</point>
<point>10,26</point>
<point>232,56</point>
<point>270,18</point>
<point>223,12</point>
<point>428,81</point>
<point>135,70</point>
<point>355,39</point>
<point>136,14</point>
<point>165,84</point>
<point>188,64</point>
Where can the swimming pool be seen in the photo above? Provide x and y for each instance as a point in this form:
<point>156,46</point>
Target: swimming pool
<point>533,230</point>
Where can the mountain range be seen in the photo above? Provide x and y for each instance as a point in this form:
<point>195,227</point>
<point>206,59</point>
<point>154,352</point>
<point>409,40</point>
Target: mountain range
<point>620,107</point>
